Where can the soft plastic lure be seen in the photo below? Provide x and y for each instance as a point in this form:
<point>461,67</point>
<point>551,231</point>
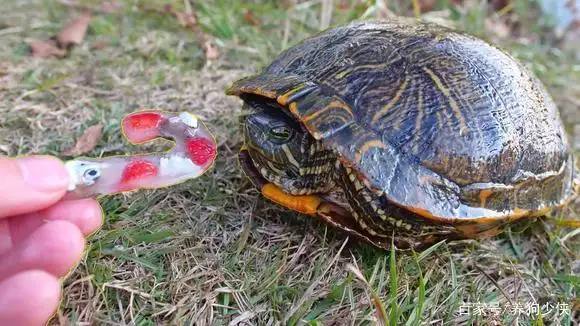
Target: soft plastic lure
<point>194,152</point>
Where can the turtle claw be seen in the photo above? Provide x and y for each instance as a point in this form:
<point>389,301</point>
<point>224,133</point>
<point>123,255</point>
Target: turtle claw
<point>194,152</point>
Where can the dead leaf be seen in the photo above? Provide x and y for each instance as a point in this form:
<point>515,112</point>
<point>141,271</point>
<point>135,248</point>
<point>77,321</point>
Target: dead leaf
<point>75,31</point>
<point>185,20</point>
<point>210,50</point>
<point>46,49</point>
<point>87,141</point>
<point>250,17</point>
<point>99,45</point>
<point>498,5</point>
<point>57,46</point>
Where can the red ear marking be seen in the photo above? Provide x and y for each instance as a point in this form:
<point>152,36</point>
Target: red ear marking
<point>142,126</point>
<point>137,170</point>
<point>200,150</point>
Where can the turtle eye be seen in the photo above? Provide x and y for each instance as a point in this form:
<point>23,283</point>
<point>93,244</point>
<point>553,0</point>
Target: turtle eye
<point>281,133</point>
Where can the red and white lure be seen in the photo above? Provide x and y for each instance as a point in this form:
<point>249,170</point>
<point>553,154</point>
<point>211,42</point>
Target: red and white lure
<point>194,153</point>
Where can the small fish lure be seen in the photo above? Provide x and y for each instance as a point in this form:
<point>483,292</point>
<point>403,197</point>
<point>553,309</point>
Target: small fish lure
<point>194,153</point>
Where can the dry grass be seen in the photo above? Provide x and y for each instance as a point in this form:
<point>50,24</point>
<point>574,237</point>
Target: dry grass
<point>211,251</point>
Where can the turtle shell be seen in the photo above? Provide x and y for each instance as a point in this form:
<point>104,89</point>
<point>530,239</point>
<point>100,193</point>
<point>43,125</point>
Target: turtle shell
<point>441,123</point>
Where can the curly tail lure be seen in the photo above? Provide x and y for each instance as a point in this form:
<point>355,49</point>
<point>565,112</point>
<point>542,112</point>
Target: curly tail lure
<point>194,153</point>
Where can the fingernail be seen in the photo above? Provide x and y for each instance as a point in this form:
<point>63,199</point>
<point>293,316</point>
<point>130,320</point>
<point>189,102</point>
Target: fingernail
<point>44,173</point>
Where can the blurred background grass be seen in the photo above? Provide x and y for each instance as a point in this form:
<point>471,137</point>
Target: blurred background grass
<point>211,251</point>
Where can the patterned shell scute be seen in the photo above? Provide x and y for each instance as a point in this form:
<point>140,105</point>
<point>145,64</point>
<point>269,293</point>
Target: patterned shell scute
<point>439,120</point>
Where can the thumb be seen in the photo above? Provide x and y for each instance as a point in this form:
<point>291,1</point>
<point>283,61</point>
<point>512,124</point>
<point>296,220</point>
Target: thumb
<point>30,183</point>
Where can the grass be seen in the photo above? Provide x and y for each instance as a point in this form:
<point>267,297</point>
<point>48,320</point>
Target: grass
<point>212,251</point>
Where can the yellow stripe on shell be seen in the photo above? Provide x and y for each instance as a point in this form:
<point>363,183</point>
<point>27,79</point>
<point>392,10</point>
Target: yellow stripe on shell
<point>456,110</point>
<point>261,92</point>
<point>331,105</point>
<point>418,120</point>
<point>283,99</point>
<point>369,66</point>
<point>439,120</point>
<point>393,101</point>
<point>341,74</point>
<point>375,143</point>
<point>294,109</point>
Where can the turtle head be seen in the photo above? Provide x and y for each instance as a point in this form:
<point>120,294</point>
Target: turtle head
<point>283,152</point>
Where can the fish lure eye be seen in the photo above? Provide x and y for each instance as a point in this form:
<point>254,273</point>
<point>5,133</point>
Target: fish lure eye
<point>90,176</point>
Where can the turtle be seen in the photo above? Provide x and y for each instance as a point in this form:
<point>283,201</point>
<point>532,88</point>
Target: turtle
<point>404,133</point>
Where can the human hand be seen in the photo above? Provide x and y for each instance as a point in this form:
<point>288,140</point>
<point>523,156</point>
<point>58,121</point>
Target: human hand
<point>41,239</point>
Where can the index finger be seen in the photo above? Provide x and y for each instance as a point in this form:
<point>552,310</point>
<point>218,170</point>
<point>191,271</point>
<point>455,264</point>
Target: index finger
<point>30,183</point>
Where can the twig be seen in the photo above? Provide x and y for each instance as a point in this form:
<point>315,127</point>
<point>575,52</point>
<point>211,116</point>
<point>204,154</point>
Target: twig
<point>119,287</point>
